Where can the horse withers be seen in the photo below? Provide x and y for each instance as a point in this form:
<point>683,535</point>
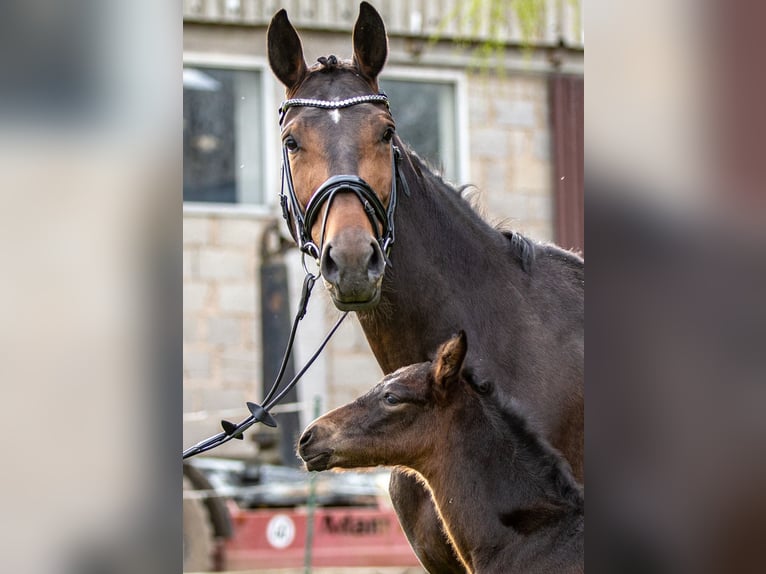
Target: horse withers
<point>507,499</point>
<point>354,180</point>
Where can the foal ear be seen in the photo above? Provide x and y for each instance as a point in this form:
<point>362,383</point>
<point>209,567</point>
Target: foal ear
<point>449,360</point>
<point>285,51</point>
<point>370,42</point>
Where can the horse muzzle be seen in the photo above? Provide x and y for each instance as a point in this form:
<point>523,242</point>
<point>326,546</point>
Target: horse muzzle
<point>352,266</point>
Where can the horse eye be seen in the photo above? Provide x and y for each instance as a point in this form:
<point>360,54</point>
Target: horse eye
<point>391,399</point>
<point>388,134</point>
<point>290,143</point>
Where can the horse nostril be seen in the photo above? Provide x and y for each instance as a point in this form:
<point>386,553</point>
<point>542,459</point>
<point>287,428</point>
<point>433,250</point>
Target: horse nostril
<point>376,265</point>
<point>329,267</point>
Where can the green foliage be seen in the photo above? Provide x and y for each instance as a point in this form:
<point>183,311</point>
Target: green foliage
<point>484,25</point>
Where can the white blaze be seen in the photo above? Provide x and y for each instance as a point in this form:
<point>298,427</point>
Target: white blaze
<point>335,115</point>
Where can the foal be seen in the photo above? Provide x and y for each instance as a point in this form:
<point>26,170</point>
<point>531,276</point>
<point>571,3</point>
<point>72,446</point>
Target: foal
<point>507,499</point>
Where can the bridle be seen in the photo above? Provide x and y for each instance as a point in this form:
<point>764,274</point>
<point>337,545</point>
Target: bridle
<point>300,223</point>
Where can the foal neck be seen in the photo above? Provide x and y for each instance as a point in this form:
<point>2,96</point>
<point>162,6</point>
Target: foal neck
<point>509,487</point>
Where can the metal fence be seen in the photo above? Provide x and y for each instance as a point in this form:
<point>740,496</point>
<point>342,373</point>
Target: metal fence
<point>562,22</point>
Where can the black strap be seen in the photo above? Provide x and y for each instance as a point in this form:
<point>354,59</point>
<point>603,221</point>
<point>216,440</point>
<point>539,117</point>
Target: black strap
<point>260,413</point>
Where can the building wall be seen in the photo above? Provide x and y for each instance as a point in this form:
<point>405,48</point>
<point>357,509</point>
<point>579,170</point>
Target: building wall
<point>507,144</point>
<point>510,151</point>
<point>222,359</point>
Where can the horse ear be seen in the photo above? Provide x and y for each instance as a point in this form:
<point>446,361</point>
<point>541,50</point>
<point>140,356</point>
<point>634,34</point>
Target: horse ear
<point>285,51</point>
<point>449,360</point>
<point>370,42</point>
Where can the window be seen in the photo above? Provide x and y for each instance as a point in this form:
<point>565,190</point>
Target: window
<point>223,135</point>
<point>425,114</point>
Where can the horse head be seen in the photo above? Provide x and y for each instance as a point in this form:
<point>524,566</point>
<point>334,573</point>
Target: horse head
<point>338,157</point>
<point>398,422</point>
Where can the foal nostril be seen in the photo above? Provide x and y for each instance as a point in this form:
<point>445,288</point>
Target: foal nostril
<point>306,438</point>
<point>329,267</point>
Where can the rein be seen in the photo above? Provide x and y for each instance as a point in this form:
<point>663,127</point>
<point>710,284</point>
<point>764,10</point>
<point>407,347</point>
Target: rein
<point>300,224</point>
<point>258,413</point>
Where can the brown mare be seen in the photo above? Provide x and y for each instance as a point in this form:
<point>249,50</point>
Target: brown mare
<point>520,303</point>
<point>507,500</point>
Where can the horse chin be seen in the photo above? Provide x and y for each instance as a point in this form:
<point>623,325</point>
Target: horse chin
<point>355,304</point>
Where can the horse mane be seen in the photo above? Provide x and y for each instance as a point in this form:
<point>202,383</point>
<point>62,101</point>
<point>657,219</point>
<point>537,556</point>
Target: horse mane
<point>522,248</point>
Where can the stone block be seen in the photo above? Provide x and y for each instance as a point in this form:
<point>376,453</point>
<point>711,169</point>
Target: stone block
<point>238,298</point>
<point>213,400</point>
<point>224,264</point>
<point>241,366</point>
<point>224,331</point>
<point>190,329</point>
<point>540,208</point>
<point>240,232</point>
<point>497,176</point>
<point>478,111</point>
<point>196,364</point>
<point>196,230</point>
<point>189,263</point>
<point>357,372</point>
<point>195,296</point>
<point>518,143</point>
<point>531,174</point>
<point>489,143</point>
<point>509,205</point>
<point>516,113</point>
<point>542,145</point>
<point>349,338</point>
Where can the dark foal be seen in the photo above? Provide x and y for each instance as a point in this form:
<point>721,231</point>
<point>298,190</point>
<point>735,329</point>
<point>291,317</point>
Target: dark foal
<point>507,499</point>
<point>520,303</point>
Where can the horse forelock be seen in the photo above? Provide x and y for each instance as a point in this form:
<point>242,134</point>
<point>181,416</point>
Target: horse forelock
<point>328,62</point>
<point>346,80</point>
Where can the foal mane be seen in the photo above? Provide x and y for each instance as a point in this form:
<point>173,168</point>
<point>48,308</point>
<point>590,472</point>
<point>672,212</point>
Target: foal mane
<point>536,451</point>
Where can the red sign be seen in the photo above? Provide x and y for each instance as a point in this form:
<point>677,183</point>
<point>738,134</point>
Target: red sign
<point>276,538</point>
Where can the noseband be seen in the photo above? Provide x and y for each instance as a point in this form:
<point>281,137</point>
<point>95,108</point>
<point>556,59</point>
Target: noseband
<point>300,223</point>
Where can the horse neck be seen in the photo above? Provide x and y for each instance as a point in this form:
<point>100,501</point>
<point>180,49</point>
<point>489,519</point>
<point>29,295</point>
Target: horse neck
<point>442,246</point>
<point>476,497</point>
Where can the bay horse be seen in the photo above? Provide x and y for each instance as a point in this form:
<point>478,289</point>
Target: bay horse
<point>402,248</point>
<point>507,500</point>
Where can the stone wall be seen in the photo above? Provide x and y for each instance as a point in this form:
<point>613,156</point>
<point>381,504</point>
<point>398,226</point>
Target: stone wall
<point>222,359</point>
<point>510,150</point>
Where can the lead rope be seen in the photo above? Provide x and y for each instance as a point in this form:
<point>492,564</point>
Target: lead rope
<point>260,413</point>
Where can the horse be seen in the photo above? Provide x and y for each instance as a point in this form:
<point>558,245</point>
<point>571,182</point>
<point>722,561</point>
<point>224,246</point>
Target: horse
<point>507,500</point>
<point>410,256</point>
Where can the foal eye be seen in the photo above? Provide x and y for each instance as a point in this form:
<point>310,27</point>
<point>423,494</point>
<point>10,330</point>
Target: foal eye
<point>290,143</point>
<point>483,387</point>
<point>391,399</point>
<point>388,134</point>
